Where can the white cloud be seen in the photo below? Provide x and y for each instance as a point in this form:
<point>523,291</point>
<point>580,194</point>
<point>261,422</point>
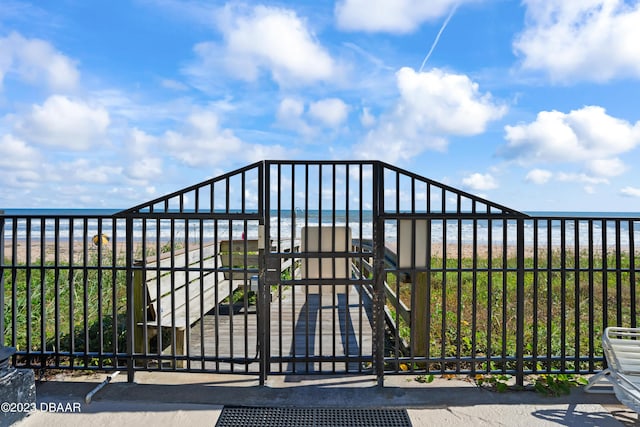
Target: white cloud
<point>392,16</point>
<point>290,108</point>
<point>18,155</point>
<point>204,143</point>
<point>290,115</point>
<point>587,40</point>
<point>539,176</point>
<point>588,136</point>
<point>480,182</point>
<point>580,177</point>
<point>607,167</point>
<point>269,39</point>
<point>139,143</point>
<point>293,114</point>
<point>332,112</point>
<point>366,118</point>
<point>65,123</point>
<point>446,103</point>
<point>630,191</point>
<point>174,85</point>
<point>432,105</point>
<point>33,60</point>
<point>21,167</point>
<point>87,171</point>
<point>145,164</point>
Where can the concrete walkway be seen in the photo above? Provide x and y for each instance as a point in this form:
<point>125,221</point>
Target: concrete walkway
<point>174,399</point>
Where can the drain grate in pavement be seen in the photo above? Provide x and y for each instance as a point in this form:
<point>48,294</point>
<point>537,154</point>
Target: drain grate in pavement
<point>234,416</point>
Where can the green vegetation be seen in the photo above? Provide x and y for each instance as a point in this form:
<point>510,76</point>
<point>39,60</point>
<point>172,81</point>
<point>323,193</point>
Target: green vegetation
<point>499,382</point>
<point>90,296</point>
<point>471,309</point>
<point>238,295</point>
<point>425,379</point>
<point>547,384</point>
<point>557,384</point>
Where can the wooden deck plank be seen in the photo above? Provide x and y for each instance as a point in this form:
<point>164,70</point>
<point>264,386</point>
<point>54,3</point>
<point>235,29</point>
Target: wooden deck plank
<point>303,325</point>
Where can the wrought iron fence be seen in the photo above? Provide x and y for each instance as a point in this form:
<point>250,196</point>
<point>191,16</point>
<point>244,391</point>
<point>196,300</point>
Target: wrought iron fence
<point>517,296</point>
<point>447,282</point>
<point>63,290</point>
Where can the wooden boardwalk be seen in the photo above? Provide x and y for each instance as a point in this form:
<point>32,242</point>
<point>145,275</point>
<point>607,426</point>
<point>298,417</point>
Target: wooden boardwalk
<point>307,327</point>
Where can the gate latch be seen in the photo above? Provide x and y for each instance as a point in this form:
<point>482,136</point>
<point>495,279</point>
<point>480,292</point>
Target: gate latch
<point>272,270</point>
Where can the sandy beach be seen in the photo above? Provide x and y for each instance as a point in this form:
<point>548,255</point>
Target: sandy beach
<point>49,252</point>
<point>81,251</point>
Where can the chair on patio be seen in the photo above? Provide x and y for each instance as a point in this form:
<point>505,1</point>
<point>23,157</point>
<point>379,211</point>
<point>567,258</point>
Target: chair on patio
<point>621,347</point>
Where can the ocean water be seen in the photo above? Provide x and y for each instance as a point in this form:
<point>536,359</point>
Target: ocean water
<point>571,229</point>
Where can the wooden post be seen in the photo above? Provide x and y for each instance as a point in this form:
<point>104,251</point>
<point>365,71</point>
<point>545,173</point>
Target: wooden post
<point>138,308</point>
<point>419,339</point>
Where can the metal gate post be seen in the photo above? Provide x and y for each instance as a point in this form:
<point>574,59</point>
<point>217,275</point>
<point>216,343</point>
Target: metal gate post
<point>2,276</point>
<point>264,294</point>
<point>520,304</point>
<point>378,272</point>
<point>131,324</point>
<point>264,320</point>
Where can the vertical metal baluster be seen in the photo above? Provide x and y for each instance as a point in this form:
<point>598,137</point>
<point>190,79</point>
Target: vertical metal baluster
<point>536,296</point>
<point>563,291</point>
<point>2,280</point>
<point>72,285</point>
<point>348,244</point>
<point>99,284</point>
<point>306,260</point>
<point>489,325</point>
<point>520,295</point>
<point>321,259</point>
<point>279,250</point>
<point>474,290</point>
<point>632,274</point>
<point>378,187</point>
<point>28,269</point>
<point>619,299</point>
<point>293,262</point>
<point>203,272</point>
<point>43,289</point>
<point>576,298</point>
<point>459,280</point>
<point>592,338</point>
<point>550,272</point>
<point>85,287</point>
<point>605,278</point>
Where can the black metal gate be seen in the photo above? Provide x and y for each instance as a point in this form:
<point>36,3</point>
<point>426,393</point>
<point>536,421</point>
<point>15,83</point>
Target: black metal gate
<point>319,312</point>
<point>193,258</point>
<point>268,269</point>
<point>295,267</point>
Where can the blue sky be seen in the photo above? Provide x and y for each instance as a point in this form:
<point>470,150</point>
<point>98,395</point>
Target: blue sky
<point>532,104</point>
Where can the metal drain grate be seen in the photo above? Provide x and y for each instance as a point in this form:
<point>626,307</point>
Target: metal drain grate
<point>312,417</point>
